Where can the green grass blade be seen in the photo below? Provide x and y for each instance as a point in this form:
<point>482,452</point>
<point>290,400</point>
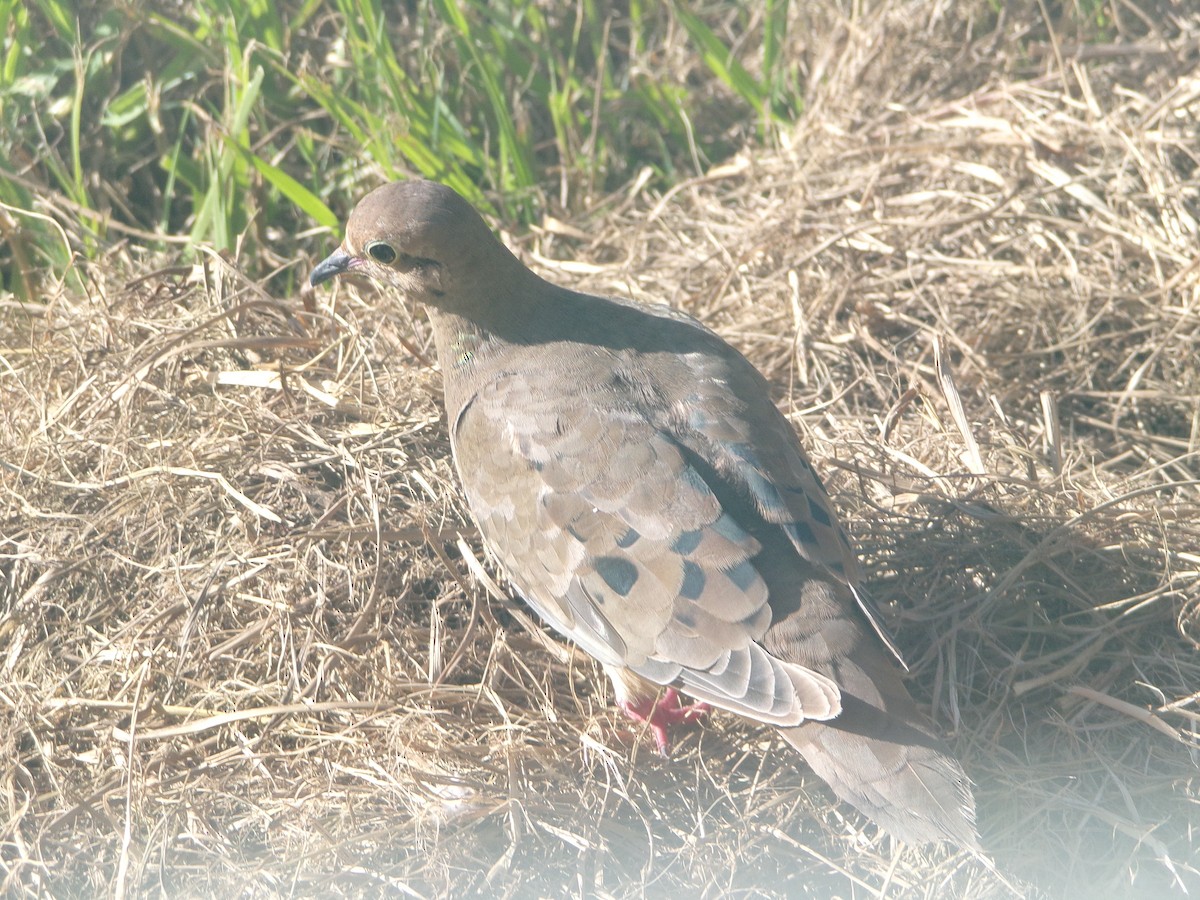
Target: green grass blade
<point>720,59</point>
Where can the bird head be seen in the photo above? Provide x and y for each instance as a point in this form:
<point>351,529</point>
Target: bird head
<point>420,237</point>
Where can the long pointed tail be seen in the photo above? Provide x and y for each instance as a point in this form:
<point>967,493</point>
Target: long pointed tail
<point>891,767</point>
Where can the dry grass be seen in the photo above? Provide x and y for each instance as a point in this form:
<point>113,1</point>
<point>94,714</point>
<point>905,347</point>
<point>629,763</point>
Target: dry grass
<point>243,652</point>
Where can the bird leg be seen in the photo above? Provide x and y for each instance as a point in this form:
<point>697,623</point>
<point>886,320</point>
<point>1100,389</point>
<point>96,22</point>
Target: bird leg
<point>662,711</point>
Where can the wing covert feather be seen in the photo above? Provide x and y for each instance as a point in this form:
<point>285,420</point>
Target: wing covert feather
<point>606,528</point>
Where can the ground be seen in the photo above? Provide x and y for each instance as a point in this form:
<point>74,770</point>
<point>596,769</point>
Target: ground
<point>248,642</point>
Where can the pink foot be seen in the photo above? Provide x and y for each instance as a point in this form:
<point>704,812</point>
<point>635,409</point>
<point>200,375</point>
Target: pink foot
<point>659,713</point>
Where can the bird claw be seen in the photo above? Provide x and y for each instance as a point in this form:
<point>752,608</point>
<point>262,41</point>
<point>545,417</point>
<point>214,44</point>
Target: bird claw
<point>661,712</point>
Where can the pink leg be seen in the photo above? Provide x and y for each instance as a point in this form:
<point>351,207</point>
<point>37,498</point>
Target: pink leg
<point>659,713</point>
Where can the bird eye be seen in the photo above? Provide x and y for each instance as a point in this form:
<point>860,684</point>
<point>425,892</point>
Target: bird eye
<point>381,252</point>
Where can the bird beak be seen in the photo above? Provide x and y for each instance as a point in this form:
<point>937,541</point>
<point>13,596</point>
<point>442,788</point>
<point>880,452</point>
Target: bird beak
<point>335,263</point>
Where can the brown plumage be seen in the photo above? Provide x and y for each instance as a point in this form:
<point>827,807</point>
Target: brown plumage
<point>630,474</point>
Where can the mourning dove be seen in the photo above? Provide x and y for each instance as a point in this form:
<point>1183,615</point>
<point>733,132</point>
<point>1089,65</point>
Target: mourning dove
<point>630,474</point>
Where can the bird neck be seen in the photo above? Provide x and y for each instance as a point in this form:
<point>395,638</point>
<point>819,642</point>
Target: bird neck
<point>505,305</point>
<point>503,314</point>
<point>458,338</point>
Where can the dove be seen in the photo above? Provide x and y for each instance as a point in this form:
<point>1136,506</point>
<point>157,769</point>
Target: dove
<point>632,478</point>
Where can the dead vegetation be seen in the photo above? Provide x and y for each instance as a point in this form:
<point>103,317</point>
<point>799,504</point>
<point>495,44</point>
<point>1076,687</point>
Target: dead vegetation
<point>244,652</point>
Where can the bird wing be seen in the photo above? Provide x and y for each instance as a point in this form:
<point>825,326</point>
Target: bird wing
<point>726,418</point>
<point>609,527</point>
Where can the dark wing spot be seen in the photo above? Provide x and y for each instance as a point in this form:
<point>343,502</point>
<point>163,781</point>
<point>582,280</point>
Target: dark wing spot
<point>743,575</point>
<point>800,533</point>
<point>819,513</point>
<point>619,574</point>
<point>804,491</point>
<point>693,581</point>
<point>687,542</point>
<point>628,539</point>
<point>729,529</point>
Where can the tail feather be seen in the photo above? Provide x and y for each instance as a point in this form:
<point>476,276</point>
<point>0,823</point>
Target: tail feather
<point>894,770</point>
<point>881,753</point>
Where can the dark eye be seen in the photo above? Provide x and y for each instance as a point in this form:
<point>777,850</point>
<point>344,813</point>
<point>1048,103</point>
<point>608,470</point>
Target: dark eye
<point>381,252</point>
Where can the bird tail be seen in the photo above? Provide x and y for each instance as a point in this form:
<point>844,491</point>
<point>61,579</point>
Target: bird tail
<point>889,764</point>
